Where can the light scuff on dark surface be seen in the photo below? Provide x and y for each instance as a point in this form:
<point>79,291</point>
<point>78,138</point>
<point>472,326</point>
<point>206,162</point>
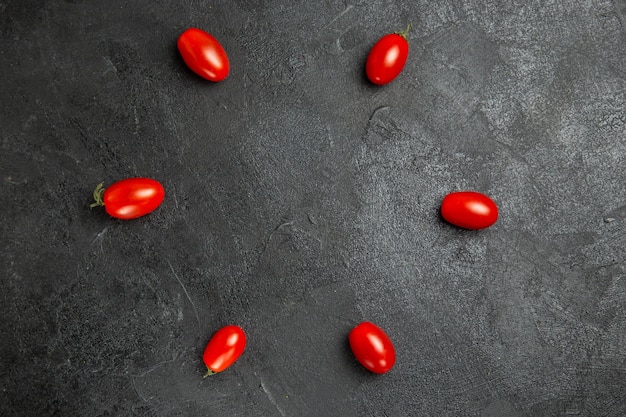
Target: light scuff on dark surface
<point>302,200</point>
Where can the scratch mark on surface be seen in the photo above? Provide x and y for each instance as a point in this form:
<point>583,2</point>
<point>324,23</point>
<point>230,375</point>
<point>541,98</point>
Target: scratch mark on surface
<point>375,112</point>
<point>271,398</point>
<point>269,238</point>
<point>619,14</point>
<point>144,399</point>
<point>136,117</point>
<point>339,16</point>
<point>172,121</point>
<point>110,66</point>
<point>174,196</point>
<point>143,374</point>
<point>10,180</point>
<point>193,306</point>
<point>100,237</point>
<point>154,367</point>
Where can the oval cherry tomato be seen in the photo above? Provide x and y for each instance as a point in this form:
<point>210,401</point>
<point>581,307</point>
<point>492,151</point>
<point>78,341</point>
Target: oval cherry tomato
<point>224,348</point>
<point>387,58</point>
<point>203,54</point>
<point>469,210</point>
<point>129,198</point>
<point>372,347</point>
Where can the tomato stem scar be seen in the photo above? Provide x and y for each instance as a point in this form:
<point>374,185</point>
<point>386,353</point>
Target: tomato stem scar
<point>405,32</point>
<point>97,196</point>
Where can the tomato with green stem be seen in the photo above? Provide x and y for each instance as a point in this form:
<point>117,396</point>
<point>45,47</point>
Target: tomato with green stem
<point>372,347</point>
<point>223,349</point>
<point>204,54</point>
<point>129,198</point>
<point>387,57</point>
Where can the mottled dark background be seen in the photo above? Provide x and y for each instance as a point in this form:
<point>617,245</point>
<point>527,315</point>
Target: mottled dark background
<point>302,200</point>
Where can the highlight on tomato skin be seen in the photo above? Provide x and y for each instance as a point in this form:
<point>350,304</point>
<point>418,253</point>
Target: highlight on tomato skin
<point>469,210</point>
<point>223,349</point>
<point>372,347</point>
<point>129,198</point>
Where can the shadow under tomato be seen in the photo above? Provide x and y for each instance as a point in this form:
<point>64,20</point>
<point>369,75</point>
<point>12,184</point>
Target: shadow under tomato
<point>364,80</point>
<point>452,228</point>
<point>179,63</point>
<point>441,219</point>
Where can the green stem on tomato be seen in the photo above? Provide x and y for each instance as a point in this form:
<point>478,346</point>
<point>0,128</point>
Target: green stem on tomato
<point>98,193</point>
<point>209,373</point>
<point>405,32</point>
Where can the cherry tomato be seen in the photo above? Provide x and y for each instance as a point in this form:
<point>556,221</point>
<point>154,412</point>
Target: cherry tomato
<point>204,54</point>
<point>129,198</point>
<point>224,348</point>
<point>372,347</point>
<point>387,58</point>
<point>469,210</point>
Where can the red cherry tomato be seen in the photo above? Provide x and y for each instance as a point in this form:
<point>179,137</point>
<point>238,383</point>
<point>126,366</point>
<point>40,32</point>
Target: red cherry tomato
<point>387,58</point>
<point>130,198</point>
<point>469,210</point>
<point>224,348</point>
<point>372,347</point>
<point>204,54</point>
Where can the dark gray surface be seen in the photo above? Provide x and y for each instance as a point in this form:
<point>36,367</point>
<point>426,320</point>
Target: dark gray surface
<point>301,200</point>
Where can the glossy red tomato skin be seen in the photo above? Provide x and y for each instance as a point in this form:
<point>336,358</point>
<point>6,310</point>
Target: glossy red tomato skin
<point>133,197</point>
<point>469,210</point>
<point>224,348</point>
<point>372,347</point>
<point>203,54</point>
<point>387,58</point>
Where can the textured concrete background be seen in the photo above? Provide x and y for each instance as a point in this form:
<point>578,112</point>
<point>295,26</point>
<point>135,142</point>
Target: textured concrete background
<point>302,200</point>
